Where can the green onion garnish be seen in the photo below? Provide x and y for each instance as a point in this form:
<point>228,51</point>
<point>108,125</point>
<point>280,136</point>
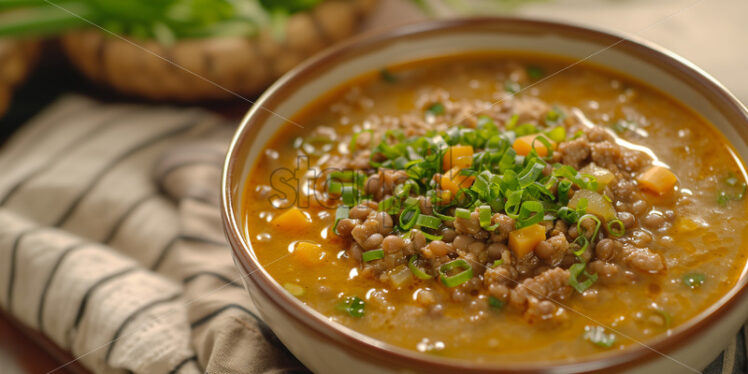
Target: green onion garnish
<point>462,213</point>
<point>457,279</point>
<point>340,214</point>
<point>594,231</point>
<point>443,217</point>
<point>739,190</point>
<point>557,134</point>
<point>484,212</point>
<point>431,237</point>
<point>575,271</point>
<point>387,76</point>
<point>563,191</point>
<point>420,274</point>
<point>409,216</point>
<point>498,262</point>
<point>436,109</point>
<point>530,214</point>
<point>535,72</point>
<point>374,254</point>
<point>495,303</point>
<point>597,336</point>
<point>294,289</point>
<point>354,306</point>
<point>350,195</point>
<point>334,188</point>
<point>583,243</point>
<point>694,280</point>
<point>431,222</point>
<point>513,201</point>
<point>616,228</point>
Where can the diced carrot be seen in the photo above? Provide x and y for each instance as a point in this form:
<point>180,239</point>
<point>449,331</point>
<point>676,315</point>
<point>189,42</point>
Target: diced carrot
<point>292,219</point>
<point>657,179</point>
<point>523,145</point>
<point>460,156</point>
<point>452,181</point>
<point>308,253</point>
<point>524,240</point>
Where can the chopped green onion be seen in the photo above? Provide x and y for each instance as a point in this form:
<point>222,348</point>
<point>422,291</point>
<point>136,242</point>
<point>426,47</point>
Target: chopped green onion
<point>535,72</point>
<point>497,263</point>
<point>594,231</point>
<point>443,217</point>
<point>616,228</point>
<point>512,206</point>
<point>334,188</point>
<point>563,191</point>
<point>667,319</point>
<point>567,214</point>
<point>557,134</point>
<point>436,109</point>
<point>485,213</point>
<point>734,183</point>
<point>512,122</point>
<point>374,254</point>
<point>294,289</point>
<point>542,139</point>
<point>420,274</point>
<point>431,222</point>
<point>340,214</point>
<point>353,306</point>
<point>530,213</point>
<point>387,76</point>
<point>597,336</point>
<point>409,216</point>
<point>525,129</point>
<point>583,243</point>
<point>350,195</point>
<point>462,213</point>
<point>495,303</point>
<point>457,279</point>
<point>575,271</point>
<point>431,237</point>
<point>530,174</point>
<point>512,87</point>
<point>694,280</point>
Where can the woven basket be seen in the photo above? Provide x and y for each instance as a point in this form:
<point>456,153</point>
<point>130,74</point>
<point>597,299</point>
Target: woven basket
<point>208,69</point>
<point>17,58</point>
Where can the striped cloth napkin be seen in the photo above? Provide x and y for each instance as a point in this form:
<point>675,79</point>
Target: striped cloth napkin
<point>111,243</point>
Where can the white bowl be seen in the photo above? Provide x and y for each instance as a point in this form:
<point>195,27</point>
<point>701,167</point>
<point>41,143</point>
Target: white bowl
<point>328,347</point>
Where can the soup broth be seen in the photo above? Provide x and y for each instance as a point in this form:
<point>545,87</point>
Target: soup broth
<point>501,208</point>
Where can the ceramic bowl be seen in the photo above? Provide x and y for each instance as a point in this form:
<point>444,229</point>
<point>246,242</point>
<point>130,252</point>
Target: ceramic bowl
<point>328,347</point>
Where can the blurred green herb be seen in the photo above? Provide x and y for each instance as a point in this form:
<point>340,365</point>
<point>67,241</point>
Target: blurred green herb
<point>164,20</point>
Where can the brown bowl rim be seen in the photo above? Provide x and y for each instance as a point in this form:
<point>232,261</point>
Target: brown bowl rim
<point>365,346</point>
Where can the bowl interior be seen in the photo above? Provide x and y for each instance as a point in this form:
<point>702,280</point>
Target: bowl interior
<point>639,60</point>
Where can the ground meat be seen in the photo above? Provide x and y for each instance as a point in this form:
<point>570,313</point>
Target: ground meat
<point>606,154</point>
<point>506,225</point>
<point>553,249</point>
<point>598,134</point>
<point>530,109</point>
<point>552,284</point>
<point>574,152</point>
